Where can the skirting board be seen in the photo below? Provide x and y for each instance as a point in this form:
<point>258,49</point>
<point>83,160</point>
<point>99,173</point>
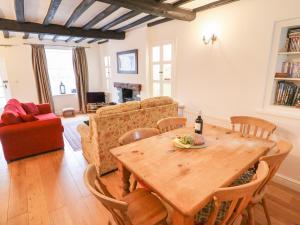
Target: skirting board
<point>288,182</point>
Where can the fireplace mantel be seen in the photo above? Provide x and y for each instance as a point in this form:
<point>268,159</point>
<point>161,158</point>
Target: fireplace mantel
<point>135,87</point>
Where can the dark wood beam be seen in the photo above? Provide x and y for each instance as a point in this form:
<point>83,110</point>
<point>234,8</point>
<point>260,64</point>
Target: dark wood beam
<point>54,4</point>
<point>94,40</point>
<point>181,2</point>
<point>158,22</point>
<point>80,9</point>
<point>102,42</point>
<point>155,8</point>
<point>20,14</point>
<point>136,23</point>
<point>198,9</point>
<point>120,19</point>
<point>5,34</point>
<point>80,40</point>
<point>100,16</point>
<point>213,5</point>
<point>69,39</point>
<point>12,25</point>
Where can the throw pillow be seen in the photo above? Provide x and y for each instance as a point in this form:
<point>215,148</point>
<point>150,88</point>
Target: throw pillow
<point>31,108</point>
<point>10,117</point>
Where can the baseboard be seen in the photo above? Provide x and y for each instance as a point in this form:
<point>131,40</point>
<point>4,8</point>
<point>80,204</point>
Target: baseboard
<point>287,181</point>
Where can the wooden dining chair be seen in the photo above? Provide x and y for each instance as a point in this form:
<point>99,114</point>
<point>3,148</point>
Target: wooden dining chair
<point>137,134</point>
<point>137,208</point>
<point>274,161</point>
<point>230,202</point>
<point>170,123</point>
<point>252,126</point>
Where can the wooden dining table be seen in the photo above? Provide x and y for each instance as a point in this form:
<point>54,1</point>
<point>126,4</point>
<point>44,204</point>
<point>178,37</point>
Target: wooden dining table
<point>187,178</point>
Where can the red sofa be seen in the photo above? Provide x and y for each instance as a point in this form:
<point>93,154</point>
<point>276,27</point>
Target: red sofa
<point>20,139</point>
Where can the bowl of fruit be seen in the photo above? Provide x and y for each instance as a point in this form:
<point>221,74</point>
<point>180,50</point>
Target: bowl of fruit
<point>189,141</point>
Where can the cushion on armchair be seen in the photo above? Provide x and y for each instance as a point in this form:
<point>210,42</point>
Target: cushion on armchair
<point>156,101</point>
<point>124,107</point>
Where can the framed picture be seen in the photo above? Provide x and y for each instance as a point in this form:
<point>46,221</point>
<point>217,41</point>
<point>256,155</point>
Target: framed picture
<point>128,62</point>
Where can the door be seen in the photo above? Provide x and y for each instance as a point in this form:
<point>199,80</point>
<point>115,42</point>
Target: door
<point>4,89</point>
<point>162,69</point>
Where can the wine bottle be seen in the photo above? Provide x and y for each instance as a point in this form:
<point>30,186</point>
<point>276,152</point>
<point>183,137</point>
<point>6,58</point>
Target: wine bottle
<point>199,124</point>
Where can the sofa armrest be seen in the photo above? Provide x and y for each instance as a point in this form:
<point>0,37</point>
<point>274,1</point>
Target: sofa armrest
<point>44,108</point>
<point>84,131</point>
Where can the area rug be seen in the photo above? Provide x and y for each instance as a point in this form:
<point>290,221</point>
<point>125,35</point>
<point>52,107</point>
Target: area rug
<point>71,133</point>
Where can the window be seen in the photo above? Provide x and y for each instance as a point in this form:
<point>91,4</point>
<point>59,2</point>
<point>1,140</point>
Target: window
<point>61,73</point>
<point>161,70</point>
<point>107,71</point>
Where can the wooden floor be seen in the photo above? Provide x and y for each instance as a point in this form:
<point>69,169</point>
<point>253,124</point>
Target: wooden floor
<point>49,189</point>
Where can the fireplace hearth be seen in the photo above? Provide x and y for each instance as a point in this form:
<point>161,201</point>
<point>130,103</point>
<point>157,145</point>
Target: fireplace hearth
<point>128,92</point>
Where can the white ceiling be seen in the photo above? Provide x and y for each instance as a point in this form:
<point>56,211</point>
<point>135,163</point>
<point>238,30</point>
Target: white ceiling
<point>36,10</point>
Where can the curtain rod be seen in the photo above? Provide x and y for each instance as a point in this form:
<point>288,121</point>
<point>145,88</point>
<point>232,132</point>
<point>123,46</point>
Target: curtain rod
<point>70,46</point>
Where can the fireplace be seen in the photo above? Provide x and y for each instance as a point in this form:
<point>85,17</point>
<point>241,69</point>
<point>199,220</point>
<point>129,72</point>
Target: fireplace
<point>128,92</point>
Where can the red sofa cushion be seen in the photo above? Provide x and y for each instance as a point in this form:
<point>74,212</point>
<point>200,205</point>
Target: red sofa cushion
<point>47,116</point>
<point>28,118</point>
<point>30,108</point>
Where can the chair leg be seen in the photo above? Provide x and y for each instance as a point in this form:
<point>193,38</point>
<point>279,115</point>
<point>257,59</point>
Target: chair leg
<point>264,204</point>
<point>250,215</point>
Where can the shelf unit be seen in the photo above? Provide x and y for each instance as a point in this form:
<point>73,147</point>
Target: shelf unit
<point>281,92</point>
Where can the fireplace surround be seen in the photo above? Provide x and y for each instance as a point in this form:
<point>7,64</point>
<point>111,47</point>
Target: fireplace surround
<point>128,92</point>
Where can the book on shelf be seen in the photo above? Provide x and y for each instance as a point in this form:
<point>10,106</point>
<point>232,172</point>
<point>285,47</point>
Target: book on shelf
<point>294,41</point>
<point>287,93</point>
<point>291,68</point>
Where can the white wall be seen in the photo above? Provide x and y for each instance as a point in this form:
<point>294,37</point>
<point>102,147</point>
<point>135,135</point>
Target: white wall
<point>17,60</point>
<point>134,40</point>
<point>228,78</point>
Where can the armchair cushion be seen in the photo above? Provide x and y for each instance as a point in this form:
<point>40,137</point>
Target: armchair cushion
<point>30,108</point>
<point>156,101</point>
<point>125,107</point>
<point>44,108</point>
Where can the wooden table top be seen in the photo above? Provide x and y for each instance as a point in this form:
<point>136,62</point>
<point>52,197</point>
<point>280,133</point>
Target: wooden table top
<point>187,178</point>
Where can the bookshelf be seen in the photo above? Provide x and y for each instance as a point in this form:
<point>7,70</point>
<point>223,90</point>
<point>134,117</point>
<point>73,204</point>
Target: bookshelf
<point>285,91</point>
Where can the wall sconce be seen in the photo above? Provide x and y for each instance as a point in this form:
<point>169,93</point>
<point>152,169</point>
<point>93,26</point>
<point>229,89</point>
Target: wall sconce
<point>211,39</point>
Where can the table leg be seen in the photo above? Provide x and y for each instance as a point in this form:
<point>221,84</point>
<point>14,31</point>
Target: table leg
<point>179,219</point>
<point>125,177</point>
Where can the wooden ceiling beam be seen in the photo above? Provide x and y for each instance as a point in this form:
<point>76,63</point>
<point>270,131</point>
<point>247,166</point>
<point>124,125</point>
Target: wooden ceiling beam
<point>12,25</point>
<point>102,42</point>
<point>20,13</point>
<point>80,9</point>
<point>181,2</point>
<point>213,5</point>
<point>120,19</point>
<point>198,9</point>
<point>5,34</point>
<point>100,16</point>
<point>54,4</point>
<point>94,40</point>
<point>136,23</point>
<point>155,8</point>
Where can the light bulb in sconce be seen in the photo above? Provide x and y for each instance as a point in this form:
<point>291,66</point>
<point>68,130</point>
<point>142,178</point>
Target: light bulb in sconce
<point>207,40</point>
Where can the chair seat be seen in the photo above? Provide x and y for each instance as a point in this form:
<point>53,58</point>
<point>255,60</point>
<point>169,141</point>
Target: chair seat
<point>145,208</point>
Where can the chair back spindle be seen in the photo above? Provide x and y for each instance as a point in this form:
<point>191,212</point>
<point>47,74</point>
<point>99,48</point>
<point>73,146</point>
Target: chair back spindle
<point>252,126</point>
<point>170,123</point>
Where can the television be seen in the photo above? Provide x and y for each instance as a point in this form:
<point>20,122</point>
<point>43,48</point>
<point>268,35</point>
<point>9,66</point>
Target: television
<point>95,97</point>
